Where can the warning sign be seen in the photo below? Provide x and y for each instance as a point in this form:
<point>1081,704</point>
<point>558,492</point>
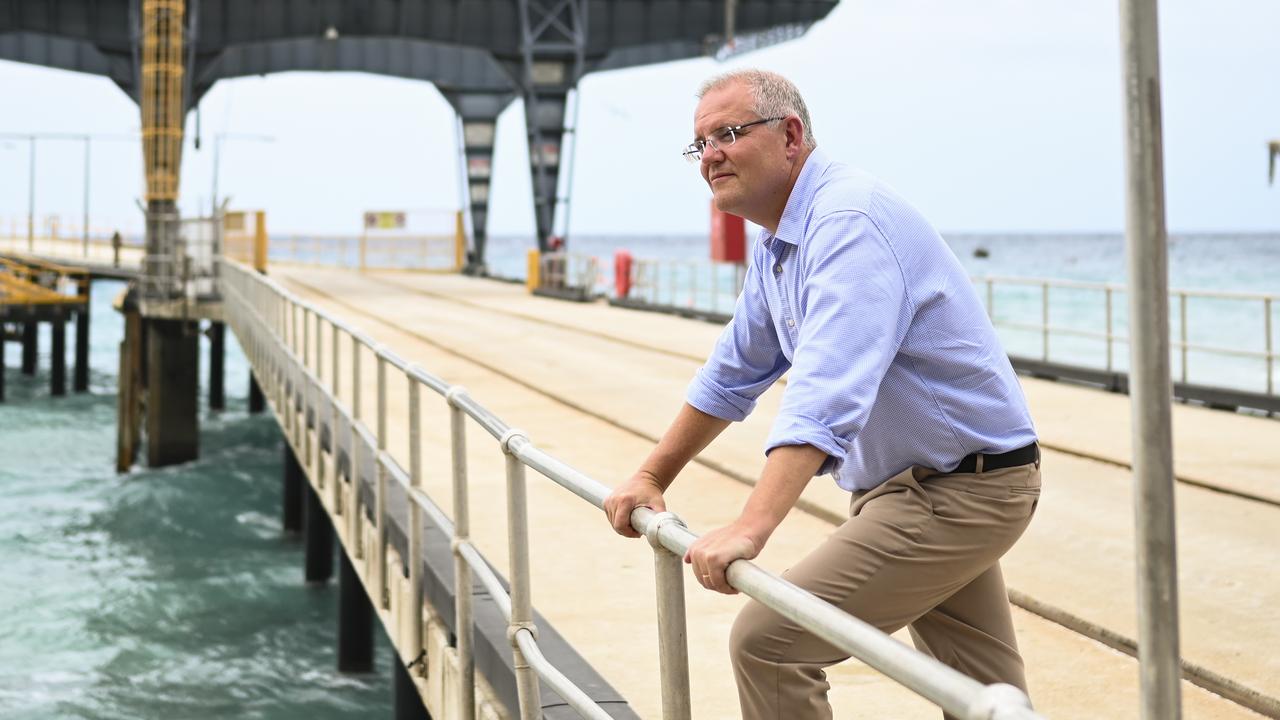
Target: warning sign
<point>393,220</point>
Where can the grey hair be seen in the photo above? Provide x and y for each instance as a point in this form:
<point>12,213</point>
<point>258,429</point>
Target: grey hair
<point>772,95</point>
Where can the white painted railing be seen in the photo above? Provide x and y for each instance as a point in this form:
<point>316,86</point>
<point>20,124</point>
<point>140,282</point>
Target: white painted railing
<point>279,332</point>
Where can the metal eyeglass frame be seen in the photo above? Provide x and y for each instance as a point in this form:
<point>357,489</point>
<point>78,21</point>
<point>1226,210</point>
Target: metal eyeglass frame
<point>693,151</point>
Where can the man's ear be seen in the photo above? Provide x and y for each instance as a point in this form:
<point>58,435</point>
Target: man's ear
<point>795,135</point>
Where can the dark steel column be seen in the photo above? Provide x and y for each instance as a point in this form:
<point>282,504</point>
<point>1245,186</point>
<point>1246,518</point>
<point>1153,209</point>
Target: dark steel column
<point>408,702</point>
<point>81,382</point>
<point>256,401</point>
<point>3,340</point>
<point>58,351</point>
<point>217,356</point>
<point>355,621</point>
<point>318,537</point>
<point>478,112</point>
<point>293,485</point>
<point>173,385</point>
<point>30,346</point>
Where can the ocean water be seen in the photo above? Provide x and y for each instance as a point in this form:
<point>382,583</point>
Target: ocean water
<point>166,593</point>
<point>173,593</point>
<point>681,276</point>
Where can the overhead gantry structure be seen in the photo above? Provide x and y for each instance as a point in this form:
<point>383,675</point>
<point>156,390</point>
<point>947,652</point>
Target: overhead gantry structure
<point>480,54</point>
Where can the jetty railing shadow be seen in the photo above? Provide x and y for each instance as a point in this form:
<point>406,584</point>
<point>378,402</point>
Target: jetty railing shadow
<point>276,330</point>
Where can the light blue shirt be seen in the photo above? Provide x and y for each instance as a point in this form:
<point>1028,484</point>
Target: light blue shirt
<point>893,360</point>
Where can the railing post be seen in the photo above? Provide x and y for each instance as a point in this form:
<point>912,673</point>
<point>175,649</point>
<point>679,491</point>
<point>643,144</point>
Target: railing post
<point>306,337</point>
<point>380,498</point>
<point>1182,333</point>
<point>1109,331</point>
<point>715,288</point>
<point>1266,309</point>
<point>1044,318</point>
<point>693,285</point>
<point>463,628</point>
<point>319,353</point>
<point>357,515</point>
<point>991,300</point>
<point>306,365</point>
<point>673,646</point>
<point>415,519</point>
<point>335,377</point>
<point>521,595</point>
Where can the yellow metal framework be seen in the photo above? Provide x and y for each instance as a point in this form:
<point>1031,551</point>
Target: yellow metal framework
<point>161,100</point>
<point>28,281</point>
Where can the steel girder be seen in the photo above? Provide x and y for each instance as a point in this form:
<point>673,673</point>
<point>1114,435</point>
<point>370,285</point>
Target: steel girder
<point>480,53</point>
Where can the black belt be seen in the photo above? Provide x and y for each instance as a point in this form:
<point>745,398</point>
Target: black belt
<point>1013,458</point>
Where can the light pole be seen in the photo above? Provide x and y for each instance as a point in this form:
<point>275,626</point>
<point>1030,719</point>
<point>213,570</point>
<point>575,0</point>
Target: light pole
<point>217,157</point>
<point>31,199</point>
<point>87,139</point>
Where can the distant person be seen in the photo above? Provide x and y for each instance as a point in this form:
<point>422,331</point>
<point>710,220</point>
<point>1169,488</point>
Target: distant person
<point>898,388</point>
<point>116,242</point>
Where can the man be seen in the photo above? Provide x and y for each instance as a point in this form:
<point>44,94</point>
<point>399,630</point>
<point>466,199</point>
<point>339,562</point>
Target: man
<point>897,387</point>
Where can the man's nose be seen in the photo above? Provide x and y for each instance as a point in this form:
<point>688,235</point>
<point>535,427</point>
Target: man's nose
<point>712,156</point>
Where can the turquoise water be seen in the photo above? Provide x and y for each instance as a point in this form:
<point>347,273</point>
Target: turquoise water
<point>1204,262</point>
<point>165,593</point>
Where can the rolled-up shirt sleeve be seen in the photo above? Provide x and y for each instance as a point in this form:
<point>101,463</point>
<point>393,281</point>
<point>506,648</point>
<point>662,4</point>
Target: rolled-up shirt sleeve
<point>746,360</point>
<point>854,311</point>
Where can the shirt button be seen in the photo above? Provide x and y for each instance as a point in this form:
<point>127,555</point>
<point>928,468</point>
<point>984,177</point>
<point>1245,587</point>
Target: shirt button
<point>778,268</point>
<point>791,323</point>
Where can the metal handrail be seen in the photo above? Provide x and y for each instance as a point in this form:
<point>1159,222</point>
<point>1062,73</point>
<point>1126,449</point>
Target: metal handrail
<point>266,317</point>
<point>675,283</point>
<point>1182,345</point>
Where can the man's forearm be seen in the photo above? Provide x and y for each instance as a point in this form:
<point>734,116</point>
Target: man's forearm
<point>786,473</point>
<point>690,433</point>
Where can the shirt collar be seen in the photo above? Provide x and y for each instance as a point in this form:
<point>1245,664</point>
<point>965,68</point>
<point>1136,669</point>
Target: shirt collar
<point>791,225</point>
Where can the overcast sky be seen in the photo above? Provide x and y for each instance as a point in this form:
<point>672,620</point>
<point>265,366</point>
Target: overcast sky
<point>990,115</point>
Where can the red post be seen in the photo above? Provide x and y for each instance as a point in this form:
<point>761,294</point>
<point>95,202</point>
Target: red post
<point>728,237</point>
<point>621,273</point>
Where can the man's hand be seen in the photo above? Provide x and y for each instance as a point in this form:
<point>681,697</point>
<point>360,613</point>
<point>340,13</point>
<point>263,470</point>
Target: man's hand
<point>711,554</point>
<point>643,489</point>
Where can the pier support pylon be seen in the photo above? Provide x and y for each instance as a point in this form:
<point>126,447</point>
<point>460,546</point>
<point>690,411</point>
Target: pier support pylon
<point>407,700</point>
<point>58,357</point>
<point>318,540</point>
<point>3,341</point>
<point>81,381</point>
<point>355,622</point>
<point>173,379</point>
<point>129,392</point>
<point>217,360</point>
<point>291,495</point>
<point>30,346</point>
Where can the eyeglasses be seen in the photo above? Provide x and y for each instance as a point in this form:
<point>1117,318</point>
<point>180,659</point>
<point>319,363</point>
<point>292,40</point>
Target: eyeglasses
<point>720,139</point>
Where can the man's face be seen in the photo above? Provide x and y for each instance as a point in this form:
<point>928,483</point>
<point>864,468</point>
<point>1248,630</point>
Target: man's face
<point>744,175</point>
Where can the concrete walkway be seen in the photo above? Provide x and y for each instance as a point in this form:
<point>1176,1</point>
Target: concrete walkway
<point>596,386</point>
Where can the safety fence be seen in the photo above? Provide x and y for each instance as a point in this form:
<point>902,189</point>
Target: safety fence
<point>405,252</point>
<point>441,250</point>
<point>563,274</point>
<point>689,284</point>
<point>1218,339</point>
<point>285,339</point>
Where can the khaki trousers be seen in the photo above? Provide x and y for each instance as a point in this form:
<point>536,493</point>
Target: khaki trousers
<point>923,550</point>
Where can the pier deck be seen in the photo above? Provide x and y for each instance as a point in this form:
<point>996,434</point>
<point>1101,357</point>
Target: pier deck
<point>596,385</point>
